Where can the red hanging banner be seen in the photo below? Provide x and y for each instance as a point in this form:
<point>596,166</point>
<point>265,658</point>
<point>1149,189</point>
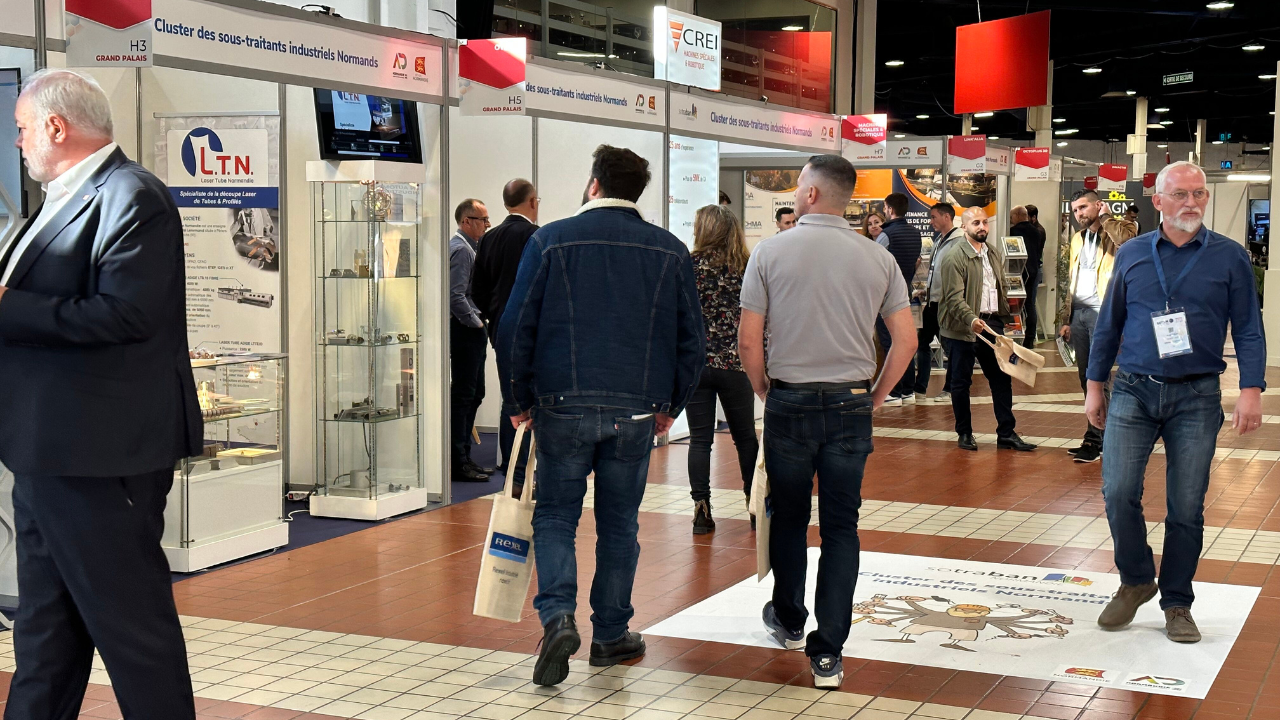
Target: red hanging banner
<point>1002,64</point>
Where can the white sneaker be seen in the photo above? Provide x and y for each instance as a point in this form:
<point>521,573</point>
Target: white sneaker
<point>908,399</point>
<point>893,401</point>
<point>942,398</point>
<point>922,399</point>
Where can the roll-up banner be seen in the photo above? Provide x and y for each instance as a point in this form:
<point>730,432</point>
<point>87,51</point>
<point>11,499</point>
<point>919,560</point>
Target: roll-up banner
<point>223,172</point>
<point>694,182</point>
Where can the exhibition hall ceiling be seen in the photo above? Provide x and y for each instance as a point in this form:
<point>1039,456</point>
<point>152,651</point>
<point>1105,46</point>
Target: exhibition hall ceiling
<point>1128,46</point>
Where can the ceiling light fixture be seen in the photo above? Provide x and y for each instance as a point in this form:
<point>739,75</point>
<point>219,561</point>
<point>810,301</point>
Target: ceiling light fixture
<point>1068,131</point>
<point>922,117</point>
<point>1267,77</point>
<point>1255,47</point>
<point>1155,126</point>
<point>1059,120</point>
<point>1162,109</point>
<point>1166,122</point>
<point>899,137</point>
<point>792,28</point>
<point>895,63</point>
<point>983,114</point>
<point>1220,5</point>
<point>1162,146</point>
<point>1062,144</point>
<point>993,137</point>
<point>1246,177</point>
<point>1130,92</point>
<point>1091,70</point>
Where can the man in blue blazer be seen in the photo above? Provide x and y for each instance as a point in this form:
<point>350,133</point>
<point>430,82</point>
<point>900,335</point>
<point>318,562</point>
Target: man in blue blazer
<point>97,403</point>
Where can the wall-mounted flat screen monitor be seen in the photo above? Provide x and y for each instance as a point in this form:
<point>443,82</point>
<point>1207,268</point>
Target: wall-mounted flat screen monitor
<point>353,126</point>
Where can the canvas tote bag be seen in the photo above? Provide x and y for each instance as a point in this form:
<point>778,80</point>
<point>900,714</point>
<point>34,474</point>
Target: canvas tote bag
<point>760,508</point>
<point>1016,361</point>
<point>506,567</point>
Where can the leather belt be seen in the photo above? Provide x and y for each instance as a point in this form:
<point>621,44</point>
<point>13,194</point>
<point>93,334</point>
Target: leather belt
<point>1165,380</point>
<point>821,386</point>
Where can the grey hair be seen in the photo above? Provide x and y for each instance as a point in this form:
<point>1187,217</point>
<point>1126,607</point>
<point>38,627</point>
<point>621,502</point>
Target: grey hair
<point>1164,174</point>
<point>78,99</point>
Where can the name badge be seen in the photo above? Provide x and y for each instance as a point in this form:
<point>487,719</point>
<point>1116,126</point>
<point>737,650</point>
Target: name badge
<point>1172,337</point>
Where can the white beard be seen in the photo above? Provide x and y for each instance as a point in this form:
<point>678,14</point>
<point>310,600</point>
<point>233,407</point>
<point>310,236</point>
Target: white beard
<point>1186,224</point>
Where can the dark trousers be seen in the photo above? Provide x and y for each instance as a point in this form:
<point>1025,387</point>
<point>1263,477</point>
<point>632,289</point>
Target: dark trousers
<point>1083,322</point>
<point>908,380</point>
<point>962,356</point>
<point>573,443</point>
<point>467,348</point>
<point>1031,318</point>
<point>92,575</point>
<point>924,355</point>
<point>828,433</point>
<point>733,387</point>
<point>1187,416</point>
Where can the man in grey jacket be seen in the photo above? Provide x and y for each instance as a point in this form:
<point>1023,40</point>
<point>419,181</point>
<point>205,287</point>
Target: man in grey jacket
<point>942,217</point>
<point>467,339</point>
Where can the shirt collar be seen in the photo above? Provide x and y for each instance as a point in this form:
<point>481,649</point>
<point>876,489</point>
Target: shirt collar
<point>526,217</point>
<point>1201,236</point>
<point>822,219</point>
<point>71,180</point>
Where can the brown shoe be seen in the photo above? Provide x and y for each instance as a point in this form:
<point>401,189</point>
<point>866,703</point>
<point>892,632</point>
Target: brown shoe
<point>1124,605</point>
<point>1180,626</point>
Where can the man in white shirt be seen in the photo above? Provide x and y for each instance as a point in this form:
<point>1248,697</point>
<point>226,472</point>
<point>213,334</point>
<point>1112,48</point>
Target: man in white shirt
<point>99,403</point>
<point>975,300</point>
<point>1092,255</point>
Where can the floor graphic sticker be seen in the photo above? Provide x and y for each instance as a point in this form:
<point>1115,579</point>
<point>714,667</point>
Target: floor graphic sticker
<point>1014,620</point>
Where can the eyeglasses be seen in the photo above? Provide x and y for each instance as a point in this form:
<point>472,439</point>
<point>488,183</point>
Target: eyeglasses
<point>484,220</point>
<point>1182,195</point>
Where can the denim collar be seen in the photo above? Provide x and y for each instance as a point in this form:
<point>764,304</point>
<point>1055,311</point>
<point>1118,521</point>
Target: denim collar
<point>608,203</point>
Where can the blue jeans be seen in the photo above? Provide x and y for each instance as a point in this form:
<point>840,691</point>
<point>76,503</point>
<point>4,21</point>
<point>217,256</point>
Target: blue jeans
<point>573,442</point>
<point>1187,416</point>
<point>827,432</point>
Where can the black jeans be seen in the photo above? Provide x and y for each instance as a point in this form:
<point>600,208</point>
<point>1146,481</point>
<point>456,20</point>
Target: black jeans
<point>827,432</point>
<point>93,576</point>
<point>1083,322</point>
<point>733,387</point>
<point>1031,319</point>
<point>924,356</point>
<point>467,348</point>
<point>908,379</point>
<point>962,356</point>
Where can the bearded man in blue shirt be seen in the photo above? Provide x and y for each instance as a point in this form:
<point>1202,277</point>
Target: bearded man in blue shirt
<point>1173,292</point>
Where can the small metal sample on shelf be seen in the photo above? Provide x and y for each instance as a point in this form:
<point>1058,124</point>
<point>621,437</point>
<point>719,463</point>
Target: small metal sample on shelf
<point>245,296</point>
<point>364,411</point>
<point>403,337</point>
<point>340,337</point>
<point>335,273</point>
<point>250,456</point>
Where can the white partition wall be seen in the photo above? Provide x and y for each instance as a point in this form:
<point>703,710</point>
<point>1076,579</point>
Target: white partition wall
<point>564,165</point>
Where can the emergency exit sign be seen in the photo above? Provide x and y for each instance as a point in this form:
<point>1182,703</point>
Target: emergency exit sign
<point>1179,78</point>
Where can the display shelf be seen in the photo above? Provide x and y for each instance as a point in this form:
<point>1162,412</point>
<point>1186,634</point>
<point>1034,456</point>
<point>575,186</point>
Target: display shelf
<point>365,228</point>
<point>228,502</point>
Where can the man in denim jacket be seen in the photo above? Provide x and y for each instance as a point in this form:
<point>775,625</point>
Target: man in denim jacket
<point>602,344</point>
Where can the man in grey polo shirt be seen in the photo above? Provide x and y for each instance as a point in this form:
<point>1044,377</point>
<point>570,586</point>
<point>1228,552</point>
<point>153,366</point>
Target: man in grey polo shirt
<point>819,288</point>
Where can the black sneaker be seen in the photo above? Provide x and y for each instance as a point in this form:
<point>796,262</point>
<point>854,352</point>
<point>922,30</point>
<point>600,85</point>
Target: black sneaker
<point>1089,454</point>
<point>560,641</point>
<point>702,522</point>
<point>629,647</point>
<point>828,672</point>
<point>1074,450</point>
<point>789,639</point>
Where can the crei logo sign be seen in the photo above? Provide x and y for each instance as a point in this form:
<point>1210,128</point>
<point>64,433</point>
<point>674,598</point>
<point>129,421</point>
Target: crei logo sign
<point>690,36</point>
<point>210,159</point>
<point>677,27</point>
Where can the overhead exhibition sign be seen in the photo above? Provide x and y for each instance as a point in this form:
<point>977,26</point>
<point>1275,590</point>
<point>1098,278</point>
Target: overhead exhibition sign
<point>1031,163</point>
<point>221,34</point>
<point>1021,621</point>
<point>1112,177</point>
<point>686,48</point>
<point>108,34</point>
<point>864,137</point>
<point>593,95</point>
<point>966,154</point>
<point>491,76</point>
<point>753,125</point>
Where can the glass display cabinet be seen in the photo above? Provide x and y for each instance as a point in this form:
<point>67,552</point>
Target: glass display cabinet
<point>366,221</point>
<point>228,502</point>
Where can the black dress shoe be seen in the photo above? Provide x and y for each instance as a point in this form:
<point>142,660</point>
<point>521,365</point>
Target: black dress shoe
<point>560,641</point>
<point>471,464</point>
<point>1013,442</point>
<point>966,442</point>
<point>628,647</point>
<point>467,474</point>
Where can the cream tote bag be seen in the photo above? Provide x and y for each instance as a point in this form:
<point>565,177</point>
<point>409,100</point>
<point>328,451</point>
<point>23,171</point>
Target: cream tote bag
<point>506,567</point>
<point>760,508</point>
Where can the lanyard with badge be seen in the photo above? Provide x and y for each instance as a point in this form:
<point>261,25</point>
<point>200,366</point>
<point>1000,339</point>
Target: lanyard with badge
<point>1172,337</point>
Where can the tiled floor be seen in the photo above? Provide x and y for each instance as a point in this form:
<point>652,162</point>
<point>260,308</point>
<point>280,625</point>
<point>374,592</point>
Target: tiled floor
<point>378,624</point>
